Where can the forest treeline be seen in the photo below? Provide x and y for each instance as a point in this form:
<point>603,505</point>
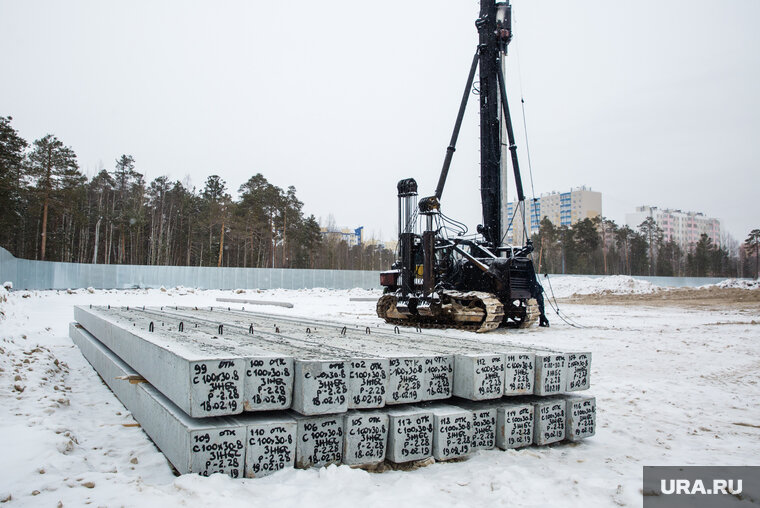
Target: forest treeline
<point>600,246</point>
<point>49,210</point>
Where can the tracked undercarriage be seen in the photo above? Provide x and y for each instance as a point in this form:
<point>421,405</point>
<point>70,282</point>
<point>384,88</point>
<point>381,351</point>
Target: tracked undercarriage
<point>473,310</point>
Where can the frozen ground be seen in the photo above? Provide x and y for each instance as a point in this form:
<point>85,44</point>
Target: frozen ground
<point>563,287</point>
<point>674,386</point>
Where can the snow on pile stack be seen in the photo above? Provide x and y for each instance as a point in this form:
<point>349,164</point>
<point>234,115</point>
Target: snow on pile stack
<point>567,286</point>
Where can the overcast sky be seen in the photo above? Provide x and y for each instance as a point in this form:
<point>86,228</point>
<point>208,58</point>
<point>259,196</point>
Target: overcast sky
<point>649,102</point>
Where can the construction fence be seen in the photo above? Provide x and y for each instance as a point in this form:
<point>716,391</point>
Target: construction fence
<point>30,274</point>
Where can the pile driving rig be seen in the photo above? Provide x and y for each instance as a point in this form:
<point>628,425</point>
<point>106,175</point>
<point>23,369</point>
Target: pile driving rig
<point>475,283</point>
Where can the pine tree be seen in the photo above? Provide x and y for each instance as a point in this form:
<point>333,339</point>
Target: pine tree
<point>217,203</point>
<point>260,205</point>
<point>587,241</point>
<point>50,163</point>
<point>702,256</point>
<point>639,258</point>
<point>623,238</point>
<point>669,255</point>
<point>653,235</point>
<point>101,190</point>
<point>12,183</point>
<point>548,250</point>
<point>130,188</point>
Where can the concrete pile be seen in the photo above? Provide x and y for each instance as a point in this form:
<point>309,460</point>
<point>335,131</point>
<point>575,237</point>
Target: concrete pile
<point>248,394</point>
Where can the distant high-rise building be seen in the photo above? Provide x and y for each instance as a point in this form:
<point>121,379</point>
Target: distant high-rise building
<point>684,228</point>
<point>561,208</point>
<point>350,236</point>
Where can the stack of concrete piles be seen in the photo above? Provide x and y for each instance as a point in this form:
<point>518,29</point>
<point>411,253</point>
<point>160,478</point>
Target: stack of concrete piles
<point>247,394</point>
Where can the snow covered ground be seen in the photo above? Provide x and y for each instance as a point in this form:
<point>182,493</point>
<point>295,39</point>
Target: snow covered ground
<point>563,287</point>
<point>674,386</point>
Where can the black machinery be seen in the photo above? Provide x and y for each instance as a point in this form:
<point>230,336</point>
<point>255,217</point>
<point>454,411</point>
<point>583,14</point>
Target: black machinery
<point>456,282</point>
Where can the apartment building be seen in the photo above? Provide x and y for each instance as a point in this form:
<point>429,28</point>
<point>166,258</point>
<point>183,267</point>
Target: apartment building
<point>561,208</point>
<point>350,236</point>
<point>684,228</point>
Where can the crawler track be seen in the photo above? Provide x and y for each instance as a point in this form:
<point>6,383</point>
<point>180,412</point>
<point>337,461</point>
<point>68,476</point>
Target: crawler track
<point>456,306</point>
<point>523,316</point>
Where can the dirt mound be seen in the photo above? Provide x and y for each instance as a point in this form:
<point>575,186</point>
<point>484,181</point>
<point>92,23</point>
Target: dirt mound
<point>707,297</point>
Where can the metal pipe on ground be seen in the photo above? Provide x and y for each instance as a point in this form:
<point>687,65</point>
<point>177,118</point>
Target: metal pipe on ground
<point>287,305</point>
